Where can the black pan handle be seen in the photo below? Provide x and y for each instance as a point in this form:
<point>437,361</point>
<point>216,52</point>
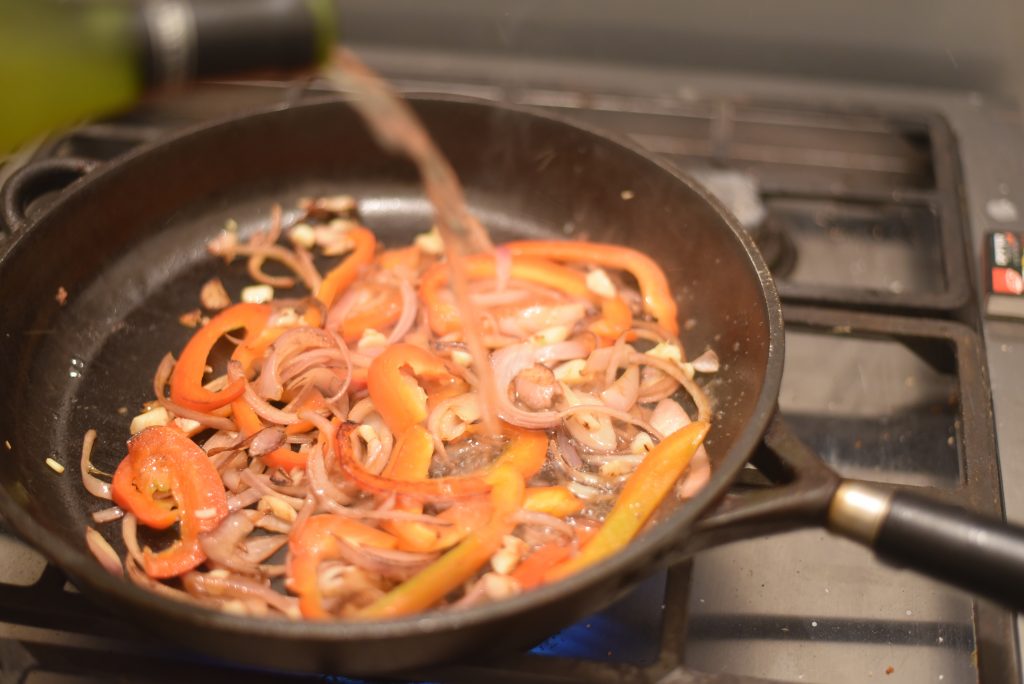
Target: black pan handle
<point>36,179</point>
<point>979,554</point>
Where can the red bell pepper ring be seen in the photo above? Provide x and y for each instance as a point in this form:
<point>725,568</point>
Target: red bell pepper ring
<point>440,488</point>
<point>162,459</point>
<point>657,296</point>
<point>444,317</point>
<point>317,540</point>
<point>187,378</point>
<point>392,381</point>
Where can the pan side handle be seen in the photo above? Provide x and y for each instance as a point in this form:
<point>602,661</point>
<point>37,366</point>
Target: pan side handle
<point>36,179</point>
<point>979,554</point>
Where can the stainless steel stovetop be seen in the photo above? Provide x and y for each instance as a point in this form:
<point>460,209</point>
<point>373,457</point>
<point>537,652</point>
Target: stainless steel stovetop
<point>872,205</point>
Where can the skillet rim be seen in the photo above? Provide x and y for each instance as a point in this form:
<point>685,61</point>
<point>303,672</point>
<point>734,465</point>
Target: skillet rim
<point>656,543</point>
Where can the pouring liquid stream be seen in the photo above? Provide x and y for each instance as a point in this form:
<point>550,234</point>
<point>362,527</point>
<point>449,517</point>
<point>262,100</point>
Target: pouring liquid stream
<point>396,128</point>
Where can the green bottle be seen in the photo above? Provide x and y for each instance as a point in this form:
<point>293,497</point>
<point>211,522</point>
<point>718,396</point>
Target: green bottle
<point>64,61</point>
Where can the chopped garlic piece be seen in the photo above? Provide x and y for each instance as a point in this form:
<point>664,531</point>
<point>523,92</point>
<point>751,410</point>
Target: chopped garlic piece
<point>213,296</point>
<point>497,587</point>
<point>333,239</point>
<point>303,235</point>
<point>338,204</point>
<point>220,573</point>
<point>278,507</point>
<point>667,351</point>
<point>508,556</point>
<point>205,513</point>
<point>284,318</point>
<point>257,294</point>
<point>430,242</point>
<point>231,225</point>
<point>371,339</point>
<point>600,284</point>
<point>157,416</point>
<point>367,433</point>
<point>552,335</point>
<point>571,372</point>
<point>463,358</point>
<point>188,426</point>
<point>618,466</point>
<point>641,444</point>
<point>57,467</point>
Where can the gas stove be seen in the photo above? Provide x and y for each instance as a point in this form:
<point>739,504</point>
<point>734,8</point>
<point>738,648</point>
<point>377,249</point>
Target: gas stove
<point>871,206</point>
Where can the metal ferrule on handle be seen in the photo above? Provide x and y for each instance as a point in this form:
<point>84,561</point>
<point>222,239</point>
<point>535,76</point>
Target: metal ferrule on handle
<point>979,554</point>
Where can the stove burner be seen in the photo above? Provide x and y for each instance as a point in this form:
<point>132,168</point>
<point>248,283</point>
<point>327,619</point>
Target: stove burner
<point>777,247</point>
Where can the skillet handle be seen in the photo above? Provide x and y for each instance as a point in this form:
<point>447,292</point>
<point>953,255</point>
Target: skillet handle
<point>982,555</point>
<point>36,179</point>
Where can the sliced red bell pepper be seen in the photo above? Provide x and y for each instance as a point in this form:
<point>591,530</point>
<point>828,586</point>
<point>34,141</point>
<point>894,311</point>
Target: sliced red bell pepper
<point>401,258</point>
<point>379,311</point>
<point>526,451</point>
<point>317,540</point>
<point>410,461</point>
<point>657,296</point>
<point>458,565</point>
<point>530,572</point>
<point>641,494</point>
<point>344,274</point>
<point>162,460</point>
<point>392,381</point>
<point>187,377</point>
<point>441,488</point>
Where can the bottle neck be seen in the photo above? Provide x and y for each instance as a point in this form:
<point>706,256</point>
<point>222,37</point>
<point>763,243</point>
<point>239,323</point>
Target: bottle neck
<point>183,40</point>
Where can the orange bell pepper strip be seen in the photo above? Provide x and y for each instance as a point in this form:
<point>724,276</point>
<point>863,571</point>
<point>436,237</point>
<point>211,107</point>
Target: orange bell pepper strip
<point>187,377</point>
<point>641,494</point>
<point>458,565</point>
<point>317,540</point>
<point>163,459</point>
<point>392,381</point>
<point>440,488</point>
<point>249,424</point>
<point>526,452</point>
<point>444,317</point>
<point>555,500</point>
<point>654,288</point>
<point>344,274</point>
<point>411,461</point>
<point>379,311</point>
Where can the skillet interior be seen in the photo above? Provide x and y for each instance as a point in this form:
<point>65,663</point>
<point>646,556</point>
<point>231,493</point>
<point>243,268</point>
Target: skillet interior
<point>128,244</point>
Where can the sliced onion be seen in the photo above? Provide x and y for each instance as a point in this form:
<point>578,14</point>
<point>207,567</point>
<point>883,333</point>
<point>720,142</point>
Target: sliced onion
<point>223,544</point>
<point>130,533</point>
<point>103,552</point>
<point>211,584</point>
<point>410,306</point>
<point>706,363</point>
<point>95,486</point>
<point>624,392</point>
<point>106,515</point>
<point>692,388</point>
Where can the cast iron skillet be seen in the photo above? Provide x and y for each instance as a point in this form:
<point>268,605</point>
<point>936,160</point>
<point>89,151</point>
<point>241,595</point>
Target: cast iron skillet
<point>127,243</point>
